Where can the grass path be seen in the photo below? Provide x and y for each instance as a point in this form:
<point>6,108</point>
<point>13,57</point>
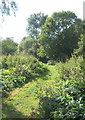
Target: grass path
<point>23,101</point>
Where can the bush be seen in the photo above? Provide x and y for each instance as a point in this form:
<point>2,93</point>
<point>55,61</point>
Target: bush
<point>66,98</point>
<point>18,70</point>
<point>11,80</point>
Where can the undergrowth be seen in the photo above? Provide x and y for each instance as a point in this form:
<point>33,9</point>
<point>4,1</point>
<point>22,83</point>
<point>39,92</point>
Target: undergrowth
<point>58,94</point>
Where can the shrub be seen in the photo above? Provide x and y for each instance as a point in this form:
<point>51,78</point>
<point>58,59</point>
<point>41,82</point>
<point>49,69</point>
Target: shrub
<point>18,70</point>
<point>10,80</point>
<point>66,99</point>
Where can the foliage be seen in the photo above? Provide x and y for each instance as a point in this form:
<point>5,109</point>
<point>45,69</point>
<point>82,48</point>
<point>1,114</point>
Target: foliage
<point>55,90</point>
<point>59,94</point>
<point>35,22</point>
<point>52,38</point>
<point>59,35</point>
<point>11,80</point>
<point>8,46</point>
<point>7,7</point>
<point>81,45</point>
<point>70,105</point>
<point>18,70</point>
<point>69,101</point>
<point>27,45</point>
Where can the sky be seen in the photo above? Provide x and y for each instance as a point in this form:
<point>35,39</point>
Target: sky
<point>15,27</point>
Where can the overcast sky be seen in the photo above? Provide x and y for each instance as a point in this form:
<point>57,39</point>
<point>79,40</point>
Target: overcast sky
<point>16,26</point>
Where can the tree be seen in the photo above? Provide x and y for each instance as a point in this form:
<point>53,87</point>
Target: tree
<point>80,49</point>
<point>81,44</point>
<point>64,20</point>
<point>8,46</point>
<point>26,45</point>
<point>59,35</point>
<point>47,39</point>
<point>35,22</point>
<point>8,6</point>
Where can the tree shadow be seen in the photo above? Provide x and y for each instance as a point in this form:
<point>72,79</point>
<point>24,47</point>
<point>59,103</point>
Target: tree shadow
<point>9,112</point>
<point>47,106</point>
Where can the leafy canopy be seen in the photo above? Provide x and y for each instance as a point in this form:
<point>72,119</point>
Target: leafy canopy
<point>8,46</point>
<point>59,35</point>
<point>7,7</point>
<point>35,22</point>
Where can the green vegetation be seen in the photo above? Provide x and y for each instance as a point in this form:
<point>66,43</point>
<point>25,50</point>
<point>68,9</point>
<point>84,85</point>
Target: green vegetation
<point>17,70</point>
<point>57,94</point>
<point>8,46</point>
<point>43,76</point>
<point>59,36</point>
<point>8,6</point>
